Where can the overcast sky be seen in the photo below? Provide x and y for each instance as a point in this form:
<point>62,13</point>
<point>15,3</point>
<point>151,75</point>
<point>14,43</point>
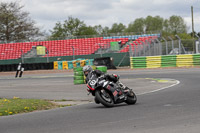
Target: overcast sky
<point>106,12</point>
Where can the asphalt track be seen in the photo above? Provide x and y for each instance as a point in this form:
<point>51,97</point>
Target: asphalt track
<point>172,109</point>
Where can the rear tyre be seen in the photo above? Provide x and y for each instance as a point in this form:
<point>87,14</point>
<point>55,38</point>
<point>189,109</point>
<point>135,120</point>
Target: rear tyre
<point>96,101</point>
<point>131,98</point>
<point>104,98</point>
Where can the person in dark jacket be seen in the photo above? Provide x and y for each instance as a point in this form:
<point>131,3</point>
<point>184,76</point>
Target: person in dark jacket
<point>88,72</point>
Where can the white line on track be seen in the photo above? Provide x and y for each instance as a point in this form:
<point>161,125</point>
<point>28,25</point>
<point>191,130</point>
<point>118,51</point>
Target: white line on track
<point>177,82</point>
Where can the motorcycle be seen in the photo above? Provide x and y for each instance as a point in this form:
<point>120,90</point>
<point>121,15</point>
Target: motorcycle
<point>109,93</point>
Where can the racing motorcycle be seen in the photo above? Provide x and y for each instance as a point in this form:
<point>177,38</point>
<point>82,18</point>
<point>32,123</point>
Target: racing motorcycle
<point>109,93</point>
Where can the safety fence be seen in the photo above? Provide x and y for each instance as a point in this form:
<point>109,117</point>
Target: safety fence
<point>188,60</point>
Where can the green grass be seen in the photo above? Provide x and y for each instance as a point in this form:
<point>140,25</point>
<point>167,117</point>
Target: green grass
<point>17,105</point>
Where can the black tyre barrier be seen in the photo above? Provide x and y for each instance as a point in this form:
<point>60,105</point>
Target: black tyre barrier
<point>35,66</point>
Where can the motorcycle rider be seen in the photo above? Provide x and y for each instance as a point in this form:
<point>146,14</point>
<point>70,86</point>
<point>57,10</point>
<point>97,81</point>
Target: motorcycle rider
<point>88,72</point>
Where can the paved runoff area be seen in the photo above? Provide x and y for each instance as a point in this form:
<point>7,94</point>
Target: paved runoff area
<point>58,85</point>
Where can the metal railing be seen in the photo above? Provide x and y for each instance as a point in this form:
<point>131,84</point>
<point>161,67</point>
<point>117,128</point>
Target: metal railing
<point>163,47</point>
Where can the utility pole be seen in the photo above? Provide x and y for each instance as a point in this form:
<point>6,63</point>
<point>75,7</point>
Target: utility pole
<point>192,26</point>
<point>192,22</point>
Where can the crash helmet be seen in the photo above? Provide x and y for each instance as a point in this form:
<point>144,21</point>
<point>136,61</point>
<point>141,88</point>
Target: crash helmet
<point>87,69</point>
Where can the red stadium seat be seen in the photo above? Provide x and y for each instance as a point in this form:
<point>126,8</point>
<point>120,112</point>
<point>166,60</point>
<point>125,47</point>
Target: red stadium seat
<point>64,47</point>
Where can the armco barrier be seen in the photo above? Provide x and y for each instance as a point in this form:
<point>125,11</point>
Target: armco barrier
<point>184,60</point>
<point>153,61</point>
<point>168,61</point>
<point>165,61</point>
<point>196,59</point>
<point>139,62</point>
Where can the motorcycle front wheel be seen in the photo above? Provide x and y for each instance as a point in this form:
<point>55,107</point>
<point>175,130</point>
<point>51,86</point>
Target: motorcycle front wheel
<point>131,98</point>
<point>104,98</point>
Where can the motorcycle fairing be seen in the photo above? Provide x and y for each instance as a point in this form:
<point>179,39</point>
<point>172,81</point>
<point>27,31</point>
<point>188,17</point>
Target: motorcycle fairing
<point>111,87</point>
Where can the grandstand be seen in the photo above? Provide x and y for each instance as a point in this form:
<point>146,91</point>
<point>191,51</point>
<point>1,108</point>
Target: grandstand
<point>84,46</point>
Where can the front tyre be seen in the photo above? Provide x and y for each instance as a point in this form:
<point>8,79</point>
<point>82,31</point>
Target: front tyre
<point>131,98</point>
<point>104,98</point>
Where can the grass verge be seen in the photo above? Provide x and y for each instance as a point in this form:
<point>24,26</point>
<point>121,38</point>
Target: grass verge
<point>17,105</point>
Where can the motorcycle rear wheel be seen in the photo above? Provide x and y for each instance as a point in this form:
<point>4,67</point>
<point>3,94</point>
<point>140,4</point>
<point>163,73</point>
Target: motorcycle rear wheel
<point>104,98</point>
<point>131,98</point>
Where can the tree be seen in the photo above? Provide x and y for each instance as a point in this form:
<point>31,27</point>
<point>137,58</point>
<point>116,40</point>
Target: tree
<point>137,26</point>
<point>146,24</point>
<point>154,23</point>
<point>106,30</point>
<point>176,24</point>
<point>117,28</point>
<point>166,26</point>
<point>70,27</point>
<point>75,27</point>
<point>101,30</point>
<point>58,32</point>
<point>15,24</point>
<point>86,30</point>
